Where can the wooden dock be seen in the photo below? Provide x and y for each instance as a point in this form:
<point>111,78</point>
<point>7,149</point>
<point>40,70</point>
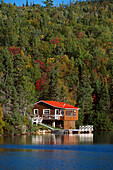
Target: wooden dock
<point>82,129</point>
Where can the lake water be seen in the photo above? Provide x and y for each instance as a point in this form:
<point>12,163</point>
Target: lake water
<point>50,151</point>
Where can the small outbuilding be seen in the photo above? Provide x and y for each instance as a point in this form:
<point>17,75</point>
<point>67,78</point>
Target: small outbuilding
<point>57,114</point>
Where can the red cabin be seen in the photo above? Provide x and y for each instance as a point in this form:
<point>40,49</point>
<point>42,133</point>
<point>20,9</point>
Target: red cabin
<point>57,114</point>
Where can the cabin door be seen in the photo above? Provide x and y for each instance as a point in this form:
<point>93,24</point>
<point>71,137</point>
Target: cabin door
<point>56,113</point>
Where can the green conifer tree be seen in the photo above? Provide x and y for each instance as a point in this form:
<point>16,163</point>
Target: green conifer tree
<point>53,85</point>
<point>48,3</point>
<point>85,96</point>
<point>26,2</point>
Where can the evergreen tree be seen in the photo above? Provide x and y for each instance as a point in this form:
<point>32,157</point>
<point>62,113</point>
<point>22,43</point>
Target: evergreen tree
<point>48,3</point>
<point>26,2</point>
<point>6,80</point>
<point>104,102</point>
<point>53,85</point>
<point>85,96</point>
<point>110,82</point>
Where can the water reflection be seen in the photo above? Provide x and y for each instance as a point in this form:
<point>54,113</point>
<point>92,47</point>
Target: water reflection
<point>74,139</point>
<point>51,151</point>
<point>86,138</point>
<point>62,139</point>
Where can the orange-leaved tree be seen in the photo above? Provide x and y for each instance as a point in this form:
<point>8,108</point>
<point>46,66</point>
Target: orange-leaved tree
<point>1,121</point>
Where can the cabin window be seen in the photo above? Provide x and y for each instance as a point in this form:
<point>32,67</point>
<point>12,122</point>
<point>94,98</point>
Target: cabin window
<point>56,111</point>
<point>62,112</point>
<point>70,112</point>
<point>46,111</point>
<point>74,112</point>
<point>35,111</point>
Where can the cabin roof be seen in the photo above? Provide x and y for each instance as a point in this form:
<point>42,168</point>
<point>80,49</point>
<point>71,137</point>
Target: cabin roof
<point>59,104</point>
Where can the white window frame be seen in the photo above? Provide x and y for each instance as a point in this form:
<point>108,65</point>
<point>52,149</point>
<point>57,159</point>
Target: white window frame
<point>37,112</point>
<point>45,110</point>
<point>61,112</point>
<point>57,116</point>
<point>75,112</point>
<point>56,111</point>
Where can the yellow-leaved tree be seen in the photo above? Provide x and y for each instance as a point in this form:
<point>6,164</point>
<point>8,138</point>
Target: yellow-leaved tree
<point>68,78</point>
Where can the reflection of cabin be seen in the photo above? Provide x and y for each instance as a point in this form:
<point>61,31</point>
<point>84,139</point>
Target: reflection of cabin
<point>57,114</point>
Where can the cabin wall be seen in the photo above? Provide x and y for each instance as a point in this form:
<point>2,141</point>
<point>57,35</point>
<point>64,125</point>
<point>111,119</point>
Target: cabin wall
<point>41,106</point>
<point>77,115</point>
<point>71,118</point>
<point>69,124</point>
<point>66,121</point>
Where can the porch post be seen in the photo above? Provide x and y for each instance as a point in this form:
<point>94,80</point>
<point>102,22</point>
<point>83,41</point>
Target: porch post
<point>53,123</point>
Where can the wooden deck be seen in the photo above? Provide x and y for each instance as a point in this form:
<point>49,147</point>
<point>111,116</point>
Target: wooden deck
<point>82,129</point>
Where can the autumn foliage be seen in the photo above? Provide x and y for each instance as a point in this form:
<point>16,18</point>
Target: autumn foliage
<point>14,50</point>
<point>49,52</point>
<point>1,121</point>
<point>55,41</point>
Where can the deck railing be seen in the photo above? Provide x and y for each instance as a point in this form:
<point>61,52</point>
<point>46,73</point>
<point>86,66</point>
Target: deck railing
<point>86,128</point>
<point>56,116</point>
<point>45,117</point>
<point>37,119</point>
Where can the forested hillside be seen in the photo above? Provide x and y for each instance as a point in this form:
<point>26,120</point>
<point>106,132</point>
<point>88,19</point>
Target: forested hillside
<point>51,52</point>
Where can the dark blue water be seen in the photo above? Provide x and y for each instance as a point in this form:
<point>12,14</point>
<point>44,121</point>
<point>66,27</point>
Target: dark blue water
<point>57,152</point>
